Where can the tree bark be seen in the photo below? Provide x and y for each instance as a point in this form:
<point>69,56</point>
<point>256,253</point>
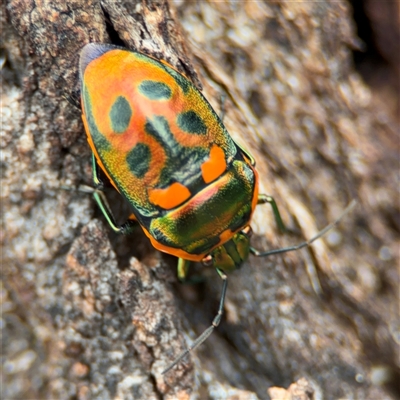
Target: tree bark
<point>88,314</point>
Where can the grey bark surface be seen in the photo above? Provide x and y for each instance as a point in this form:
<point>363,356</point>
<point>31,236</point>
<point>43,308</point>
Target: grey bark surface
<point>87,314</point>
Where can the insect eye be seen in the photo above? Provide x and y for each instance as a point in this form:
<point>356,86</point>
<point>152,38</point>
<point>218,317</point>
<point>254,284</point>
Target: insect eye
<point>208,261</point>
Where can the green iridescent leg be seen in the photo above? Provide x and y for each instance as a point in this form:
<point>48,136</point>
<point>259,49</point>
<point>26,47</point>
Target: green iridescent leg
<point>210,329</point>
<point>98,184</point>
<point>322,232</point>
<point>182,272</point>
<point>183,269</point>
<point>102,202</point>
<point>262,199</point>
<point>311,271</point>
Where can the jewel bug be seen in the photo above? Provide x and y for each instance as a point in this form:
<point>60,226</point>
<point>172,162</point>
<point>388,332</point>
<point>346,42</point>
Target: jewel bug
<point>192,189</point>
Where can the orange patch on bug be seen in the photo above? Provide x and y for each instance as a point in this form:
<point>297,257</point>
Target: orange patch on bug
<point>132,217</point>
<point>171,250</point>
<point>255,194</point>
<point>225,236</point>
<point>170,197</point>
<point>215,166</point>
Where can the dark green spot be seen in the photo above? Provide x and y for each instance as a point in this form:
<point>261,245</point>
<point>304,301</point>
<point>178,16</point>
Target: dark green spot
<point>155,90</point>
<point>120,115</point>
<point>99,141</point>
<point>191,122</point>
<point>138,160</point>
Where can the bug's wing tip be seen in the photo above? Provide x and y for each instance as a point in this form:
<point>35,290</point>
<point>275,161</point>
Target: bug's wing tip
<point>90,52</point>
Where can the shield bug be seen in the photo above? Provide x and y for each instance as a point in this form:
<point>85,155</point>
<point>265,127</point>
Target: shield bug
<point>192,189</point>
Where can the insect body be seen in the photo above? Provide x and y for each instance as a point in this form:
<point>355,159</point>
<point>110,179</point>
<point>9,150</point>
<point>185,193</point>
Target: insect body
<point>192,189</point>
<point>166,151</point>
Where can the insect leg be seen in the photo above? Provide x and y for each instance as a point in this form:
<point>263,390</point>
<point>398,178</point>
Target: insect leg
<point>105,208</point>
<point>182,272</point>
<point>308,242</point>
<point>209,330</point>
<point>262,199</point>
<point>98,184</point>
<point>182,269</point>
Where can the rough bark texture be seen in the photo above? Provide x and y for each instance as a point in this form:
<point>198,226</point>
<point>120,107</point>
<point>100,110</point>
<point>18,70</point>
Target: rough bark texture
<point>83,318</point>
<point>384,20</point>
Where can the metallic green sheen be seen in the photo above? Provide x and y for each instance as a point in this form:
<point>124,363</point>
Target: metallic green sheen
<point>197,231</point>
<point>100,142</point>
<point>242,244</point>
<point>179,79</point>
<point>120,115</point>
<point>231,255</point>
<point>182,163</point>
